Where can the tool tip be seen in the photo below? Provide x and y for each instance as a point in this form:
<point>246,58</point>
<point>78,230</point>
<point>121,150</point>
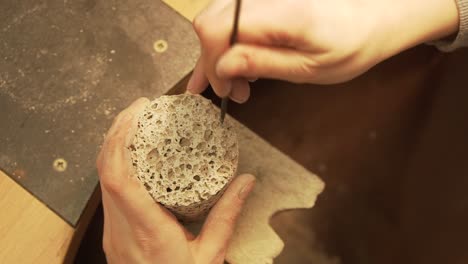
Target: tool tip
<point>224,104</point>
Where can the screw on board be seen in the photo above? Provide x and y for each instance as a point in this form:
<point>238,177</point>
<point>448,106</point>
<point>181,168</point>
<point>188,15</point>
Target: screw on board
<point>160,46</point>
<point>60,165</point>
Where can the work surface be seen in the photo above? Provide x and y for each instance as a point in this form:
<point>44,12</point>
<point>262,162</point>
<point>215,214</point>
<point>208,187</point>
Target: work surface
<point>55,180</point>
<point>63,61</point>
<point>67,69</point>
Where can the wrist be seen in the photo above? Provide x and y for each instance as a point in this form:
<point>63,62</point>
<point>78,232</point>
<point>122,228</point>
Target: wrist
<point>414,22</point>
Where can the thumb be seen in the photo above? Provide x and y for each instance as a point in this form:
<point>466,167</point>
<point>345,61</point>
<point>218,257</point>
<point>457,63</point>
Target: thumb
<point>220,223</point>
<point>254,61</point>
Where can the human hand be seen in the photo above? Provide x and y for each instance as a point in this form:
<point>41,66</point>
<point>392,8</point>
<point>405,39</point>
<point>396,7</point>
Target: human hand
<point>139,230</point>
<point>310,41</point>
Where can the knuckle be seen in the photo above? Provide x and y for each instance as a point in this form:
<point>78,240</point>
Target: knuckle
<point>205,29</point>
<point>113,186</point>
<point>249,60</point>
<point>114,145</point>
<point>147,241</point>
<point>145,244</point>
<point>226,221</point>
<point>198,24</point>
<point>306,71</point>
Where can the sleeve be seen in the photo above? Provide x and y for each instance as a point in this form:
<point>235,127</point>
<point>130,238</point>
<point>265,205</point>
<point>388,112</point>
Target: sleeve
<point>461,40</point>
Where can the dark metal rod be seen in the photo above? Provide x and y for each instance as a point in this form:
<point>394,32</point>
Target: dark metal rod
<point>232,41</point>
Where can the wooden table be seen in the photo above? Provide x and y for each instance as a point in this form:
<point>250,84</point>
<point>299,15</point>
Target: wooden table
<point>29,231</point>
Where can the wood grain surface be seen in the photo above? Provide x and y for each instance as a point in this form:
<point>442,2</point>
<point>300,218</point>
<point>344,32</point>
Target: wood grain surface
<point>29,231</point>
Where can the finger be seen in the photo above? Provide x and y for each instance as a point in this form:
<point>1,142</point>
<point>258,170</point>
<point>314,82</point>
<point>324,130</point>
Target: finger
<point>220,223</point>
<point>131,198</point>
<point>125,116</point>
<point>213,8</point>
<point>109,159</point>
<point>253,61</point>
<point>118,229</point>
<point>241,91</point>
<point>198,81</point>
<point>214,38</point>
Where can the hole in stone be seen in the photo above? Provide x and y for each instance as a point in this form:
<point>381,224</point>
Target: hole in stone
<point>188,187</point>
<point>177,188</point>
<point>196,177</point>
<point>167,141</point>
<point>149,117</point>
<point>154,106</point>
<point>188,166</point>
<point>201,145</point>
<point>159,122</point>
<point>159,166</point>
<point>197,127</point>
<point>208,135</point>
<point>184,142</point>
<point>153,154</point>
<point>148,188</point>
<point>186,116</point>
<point>168,189</point>
<point>223,169</point>
<point>170,174</point>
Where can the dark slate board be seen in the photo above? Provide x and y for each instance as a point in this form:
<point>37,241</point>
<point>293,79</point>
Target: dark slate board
<point>66,69</point>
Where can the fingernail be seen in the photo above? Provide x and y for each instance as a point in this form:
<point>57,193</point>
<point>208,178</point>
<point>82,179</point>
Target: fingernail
<point>240,92</point>
<point>246,189</point>
<point>238,98</point>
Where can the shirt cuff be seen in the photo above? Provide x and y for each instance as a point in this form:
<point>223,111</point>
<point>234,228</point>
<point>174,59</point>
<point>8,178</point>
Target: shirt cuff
<point>461,39</point>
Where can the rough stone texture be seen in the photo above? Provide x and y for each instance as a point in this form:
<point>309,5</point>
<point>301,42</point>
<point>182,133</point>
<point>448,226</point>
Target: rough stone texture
<point>183,155</point>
